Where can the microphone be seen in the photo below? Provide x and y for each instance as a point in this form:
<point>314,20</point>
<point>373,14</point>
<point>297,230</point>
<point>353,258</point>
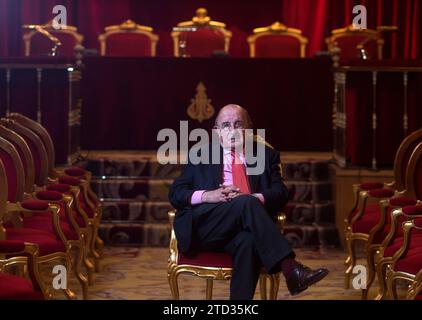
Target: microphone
<point>44,32</point>
<point>387,28</point>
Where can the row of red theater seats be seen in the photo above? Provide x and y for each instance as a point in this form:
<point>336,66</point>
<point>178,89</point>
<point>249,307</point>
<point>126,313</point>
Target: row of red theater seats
<point>387,217</point>
<point>49,216</point>
<point>205,38</point>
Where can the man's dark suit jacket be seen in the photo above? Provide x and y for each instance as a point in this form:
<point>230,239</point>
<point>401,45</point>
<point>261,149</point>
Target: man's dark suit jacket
<point>209,177</point>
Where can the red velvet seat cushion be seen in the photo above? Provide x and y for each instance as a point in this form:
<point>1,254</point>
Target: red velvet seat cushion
<point>63,217</point>
<point>75,172</point>
<point>381,193</point>
<point>17,288</point>
<point>397,243</point>
<point>59,187</point>
<point>372,209</point>
<point>371,185</point>
<point>46,242</point>
<point>49,195</point>
<point>37,205</point>
<point>207,259</point>
<point>72,181</point>
<point>411,263</point>
<point>45,224</point>
<point>365,225</point>
<point>402,201</point>
<point>412,210</point>
<point>7,246</point>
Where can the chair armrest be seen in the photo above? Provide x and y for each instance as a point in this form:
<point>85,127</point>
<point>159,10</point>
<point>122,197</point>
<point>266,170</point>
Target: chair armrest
<point>173,248</point>
<point>11,247</point>
<point>29,252</point>
<point>363,198</point>
<point>413,215</point>
<point>52,208</point>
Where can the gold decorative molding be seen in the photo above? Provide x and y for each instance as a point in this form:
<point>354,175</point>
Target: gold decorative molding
<point>202,19</point>
<point>129,25</point>
<point>200,108</point>
<point>277,27</point>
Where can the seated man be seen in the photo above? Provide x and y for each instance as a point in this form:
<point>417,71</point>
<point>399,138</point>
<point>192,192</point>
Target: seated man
<point>221,208</point>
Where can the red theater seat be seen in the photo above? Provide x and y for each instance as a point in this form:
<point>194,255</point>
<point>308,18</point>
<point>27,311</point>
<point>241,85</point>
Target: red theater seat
<point>128,39</point>
<point>277,41</point>
<point>351,41</point>
<point>38,44</point>
<point>200,37</point>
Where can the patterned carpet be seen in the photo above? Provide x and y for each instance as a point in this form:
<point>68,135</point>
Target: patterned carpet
<point>141,274</point>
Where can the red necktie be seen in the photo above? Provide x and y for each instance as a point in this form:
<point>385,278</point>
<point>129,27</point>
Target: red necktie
<point>240,178</point>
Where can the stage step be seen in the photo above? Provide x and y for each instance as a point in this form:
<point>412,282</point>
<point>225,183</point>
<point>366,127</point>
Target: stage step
<point>133,188</point>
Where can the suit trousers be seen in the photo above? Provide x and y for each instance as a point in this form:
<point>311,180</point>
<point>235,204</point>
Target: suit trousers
<point>244,229</point>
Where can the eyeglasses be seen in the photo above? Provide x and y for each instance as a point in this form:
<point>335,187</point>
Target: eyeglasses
<point>235,125</point>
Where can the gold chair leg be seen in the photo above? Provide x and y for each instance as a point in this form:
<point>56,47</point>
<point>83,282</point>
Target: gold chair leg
<point>77,269</point>
<point>390,283</point>
<point>89,266</point>
<point>370,260</point>
<point>351,261</point>
<point>93,249</point>
<point>174,287</point>
<point>70,294</point>
<point>99,245</point>
<point>274,285</point>
<point>209,289</point>
<point>381,269</point>
<point>263,286</point>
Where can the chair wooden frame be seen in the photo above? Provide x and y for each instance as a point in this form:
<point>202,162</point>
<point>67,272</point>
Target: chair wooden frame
<point>391,275</point>
<point>12,211</point>
<point>201,20</point>
<point>351,30</point>
<point>27,258</point>
<point>41,179</point>
<point>128,26</point>
<point>361,200</point>
<point>70,30</point>
<point>415,287</point>
<point>84,233</point>
<point>277,28</point>
<point>383,264</point>
<point>213,273</point>
<point>16,139</point>
<point>37,133</point>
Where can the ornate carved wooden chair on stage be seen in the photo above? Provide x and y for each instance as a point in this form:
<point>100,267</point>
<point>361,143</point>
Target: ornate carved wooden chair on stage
<point>277,41</point>
<point>356,43</point>
<point>128,39</point>
<point>40,40</point>
<point>200,37</point>
<point>212,266</point>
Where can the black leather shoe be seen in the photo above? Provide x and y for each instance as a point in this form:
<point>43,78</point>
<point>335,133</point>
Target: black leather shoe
<point>303,277</point>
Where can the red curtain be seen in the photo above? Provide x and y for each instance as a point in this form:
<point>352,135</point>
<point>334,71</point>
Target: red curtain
<point>316,19</point>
